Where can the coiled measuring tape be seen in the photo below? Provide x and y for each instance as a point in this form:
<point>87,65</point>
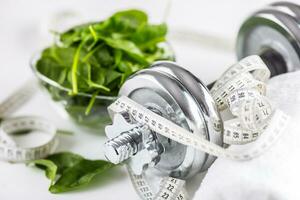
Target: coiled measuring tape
<point>10,150</point>
<point>241,90</point>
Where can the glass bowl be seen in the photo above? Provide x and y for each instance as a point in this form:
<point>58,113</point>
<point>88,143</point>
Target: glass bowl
<point>74,107</point>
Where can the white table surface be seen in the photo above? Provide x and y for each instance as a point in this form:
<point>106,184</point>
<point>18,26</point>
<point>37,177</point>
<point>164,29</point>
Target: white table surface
<point>23,30</point>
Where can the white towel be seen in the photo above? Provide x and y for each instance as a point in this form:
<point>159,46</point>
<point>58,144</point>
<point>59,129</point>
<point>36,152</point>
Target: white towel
<point>275,174</point>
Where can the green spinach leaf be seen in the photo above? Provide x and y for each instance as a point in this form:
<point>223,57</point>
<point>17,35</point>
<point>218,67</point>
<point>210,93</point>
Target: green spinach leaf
<point>68,171</point>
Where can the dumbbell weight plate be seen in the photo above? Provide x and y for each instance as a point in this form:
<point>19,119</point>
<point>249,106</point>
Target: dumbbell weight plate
<point>273,33</point>
<point>160,88</point>
<point>202,96</point>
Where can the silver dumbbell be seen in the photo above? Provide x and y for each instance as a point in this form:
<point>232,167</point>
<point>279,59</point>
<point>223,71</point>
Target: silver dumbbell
<point>174,93</point>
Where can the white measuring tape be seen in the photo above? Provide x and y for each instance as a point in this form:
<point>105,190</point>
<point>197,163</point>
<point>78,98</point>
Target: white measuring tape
<point>241,89</point>
<point>10,150</point>
<point>170,188</point>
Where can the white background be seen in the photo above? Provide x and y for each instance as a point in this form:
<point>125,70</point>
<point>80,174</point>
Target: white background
<point>206,48</point>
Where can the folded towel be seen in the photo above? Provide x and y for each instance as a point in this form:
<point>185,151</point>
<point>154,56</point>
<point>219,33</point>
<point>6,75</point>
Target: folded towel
<point>275,174</point>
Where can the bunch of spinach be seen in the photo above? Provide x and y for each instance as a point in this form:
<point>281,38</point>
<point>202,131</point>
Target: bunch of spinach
<point>68,171</point>
<point>96,58</point>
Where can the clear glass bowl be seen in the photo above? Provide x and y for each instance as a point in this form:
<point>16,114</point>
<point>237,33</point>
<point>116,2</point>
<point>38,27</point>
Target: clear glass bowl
<point>73,107</point>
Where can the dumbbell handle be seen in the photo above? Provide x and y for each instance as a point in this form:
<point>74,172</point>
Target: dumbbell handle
<point>273,60</point>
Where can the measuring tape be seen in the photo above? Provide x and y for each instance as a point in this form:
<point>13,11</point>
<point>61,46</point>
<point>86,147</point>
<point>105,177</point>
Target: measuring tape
<point>10,150</point>
<point>170,188</point>
<point>241,90</point>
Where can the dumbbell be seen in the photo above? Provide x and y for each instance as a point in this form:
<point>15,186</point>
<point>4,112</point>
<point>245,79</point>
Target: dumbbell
<point>169,90</point>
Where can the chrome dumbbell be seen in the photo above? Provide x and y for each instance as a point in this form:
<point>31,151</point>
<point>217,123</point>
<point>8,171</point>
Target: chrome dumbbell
<point>174,93</point>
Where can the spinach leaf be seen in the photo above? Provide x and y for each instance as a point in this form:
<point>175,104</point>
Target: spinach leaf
<point>149,35</point>
<point>49,167</point>
<point>96,58</point>
<point>123,22</point>
<point>68,171</point>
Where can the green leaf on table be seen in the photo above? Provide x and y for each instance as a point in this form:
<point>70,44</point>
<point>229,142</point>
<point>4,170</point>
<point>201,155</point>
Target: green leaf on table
<point>49,167</point>
<point>68,171</point>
